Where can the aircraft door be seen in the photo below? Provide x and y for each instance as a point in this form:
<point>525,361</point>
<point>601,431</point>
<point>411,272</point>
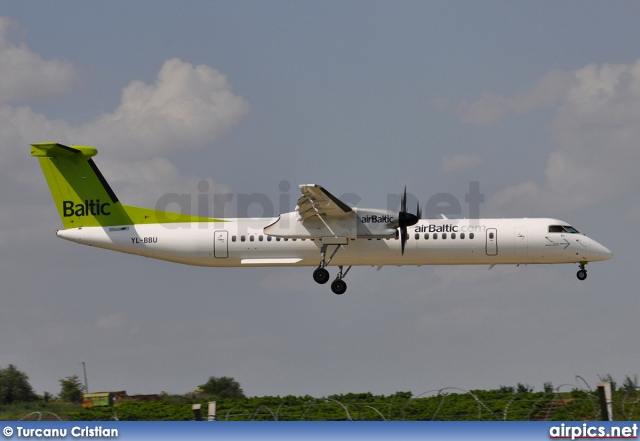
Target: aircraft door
<point>221,244</point>
<point>492,242</point>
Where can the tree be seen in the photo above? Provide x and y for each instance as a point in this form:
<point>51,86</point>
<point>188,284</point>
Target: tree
<point>14,386</point>
<point>630,384</point>
<point>71,389</point>
<point>222,387</point>
<point>523,388</point>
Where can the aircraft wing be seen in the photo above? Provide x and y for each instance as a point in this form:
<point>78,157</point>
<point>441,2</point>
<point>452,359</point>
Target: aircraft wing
<point>315,200</point>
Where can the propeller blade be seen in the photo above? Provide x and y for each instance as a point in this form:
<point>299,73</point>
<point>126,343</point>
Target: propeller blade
<point>406,219</point>
<point>403,238</point>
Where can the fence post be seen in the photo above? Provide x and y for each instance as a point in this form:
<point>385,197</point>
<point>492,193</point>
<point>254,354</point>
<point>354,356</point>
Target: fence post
<point>197,412</point>
<point>212,411</point>
<point>606,408</point>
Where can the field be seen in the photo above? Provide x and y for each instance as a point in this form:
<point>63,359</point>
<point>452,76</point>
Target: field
<point>444,405</point>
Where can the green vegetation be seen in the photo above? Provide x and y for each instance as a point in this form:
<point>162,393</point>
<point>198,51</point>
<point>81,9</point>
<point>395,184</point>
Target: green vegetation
<point>493,405</point>
<point>222,387</point>
<point>38,410</point>
<point>506,403</point>
<point>14,386</point>
<point>71,389</point>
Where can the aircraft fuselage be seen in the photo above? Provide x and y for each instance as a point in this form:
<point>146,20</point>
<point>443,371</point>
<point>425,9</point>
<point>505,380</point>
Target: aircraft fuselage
<point>242,242</point>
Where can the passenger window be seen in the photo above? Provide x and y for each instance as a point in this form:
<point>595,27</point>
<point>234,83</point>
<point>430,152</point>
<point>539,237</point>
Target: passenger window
<point>461,235</point>
<point>233,238</point>
<point>277,239</point>
<point>417,236</point>
<point>453,235</point>
<point>260,238</point>
<point>286,239</point>
<point>444,235</point>
<point>251,238</point>
<point>242,238</point>
<point>426,236</point>
<point>490,235</point>
<point>435,235</point>
<point>470,235</point>
<point>268,238</point>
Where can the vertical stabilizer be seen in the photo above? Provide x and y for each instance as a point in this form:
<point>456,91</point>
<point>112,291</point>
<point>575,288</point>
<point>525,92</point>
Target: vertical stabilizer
<point>81,194</point>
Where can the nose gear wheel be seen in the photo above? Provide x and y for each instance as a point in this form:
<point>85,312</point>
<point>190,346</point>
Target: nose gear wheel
<point>582,273</point>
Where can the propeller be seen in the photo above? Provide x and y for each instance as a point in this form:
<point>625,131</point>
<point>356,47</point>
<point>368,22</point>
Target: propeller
<point>406,219</point>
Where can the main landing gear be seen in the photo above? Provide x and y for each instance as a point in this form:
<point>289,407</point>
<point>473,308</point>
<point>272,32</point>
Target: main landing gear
<point>582,273</point>
<point>321,275</point>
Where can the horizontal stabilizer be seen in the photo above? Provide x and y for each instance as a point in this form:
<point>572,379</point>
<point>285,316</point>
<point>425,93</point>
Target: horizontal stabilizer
<point>55,150</point>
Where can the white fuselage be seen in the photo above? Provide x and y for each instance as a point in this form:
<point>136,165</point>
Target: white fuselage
<point>242,242</point>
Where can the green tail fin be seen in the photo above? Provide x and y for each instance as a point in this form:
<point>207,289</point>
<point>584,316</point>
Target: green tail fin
<point>83,196</point>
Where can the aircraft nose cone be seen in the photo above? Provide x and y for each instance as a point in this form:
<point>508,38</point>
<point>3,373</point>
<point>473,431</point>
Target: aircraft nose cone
<point>602,252</point>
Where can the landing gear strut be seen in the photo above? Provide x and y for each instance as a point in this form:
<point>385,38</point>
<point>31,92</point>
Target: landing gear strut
<point>582,273</point>
<point>321,275</point>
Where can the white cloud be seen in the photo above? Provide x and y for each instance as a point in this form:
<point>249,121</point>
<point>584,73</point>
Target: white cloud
<point>460,162</point>
<point>487,110</point>
<point>141,182</point>
<point>188,107</point>
<point>25,75</point>
<point>595,135</point>
<point>492,108</point>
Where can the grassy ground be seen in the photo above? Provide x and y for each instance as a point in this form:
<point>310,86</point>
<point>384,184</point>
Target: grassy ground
<point>472,406</point>
<point>35,411</point>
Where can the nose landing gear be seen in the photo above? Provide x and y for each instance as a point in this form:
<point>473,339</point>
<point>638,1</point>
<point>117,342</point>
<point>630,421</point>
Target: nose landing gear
<point>582,273</point>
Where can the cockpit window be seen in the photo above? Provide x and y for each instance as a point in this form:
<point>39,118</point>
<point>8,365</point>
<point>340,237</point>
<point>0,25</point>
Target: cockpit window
<point>562,229</point>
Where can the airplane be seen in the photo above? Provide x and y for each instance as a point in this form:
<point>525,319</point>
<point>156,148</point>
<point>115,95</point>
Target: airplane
<point>323,231</point>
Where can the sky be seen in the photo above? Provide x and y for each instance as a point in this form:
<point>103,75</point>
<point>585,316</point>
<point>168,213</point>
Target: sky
<point>538,102</point>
